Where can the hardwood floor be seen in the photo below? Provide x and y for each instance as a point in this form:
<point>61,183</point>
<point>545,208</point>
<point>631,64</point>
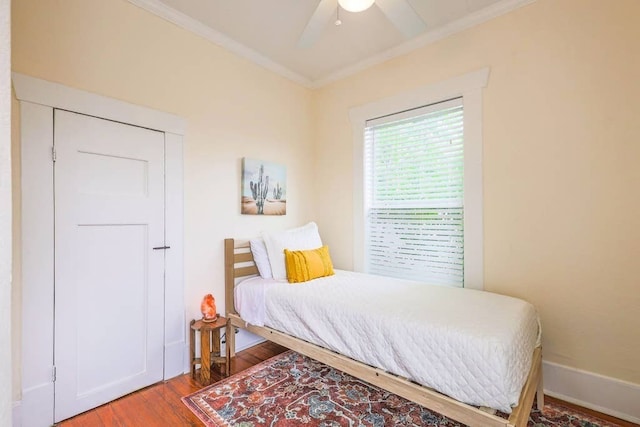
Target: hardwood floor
<point>160,404</point>
<point>590,412</point>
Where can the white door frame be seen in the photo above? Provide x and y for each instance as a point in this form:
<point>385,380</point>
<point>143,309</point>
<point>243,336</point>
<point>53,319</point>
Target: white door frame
<point>38,98</point>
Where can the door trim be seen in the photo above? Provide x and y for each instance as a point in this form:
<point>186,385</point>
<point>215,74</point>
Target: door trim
<point>38,98</point>
<point>55,95</point>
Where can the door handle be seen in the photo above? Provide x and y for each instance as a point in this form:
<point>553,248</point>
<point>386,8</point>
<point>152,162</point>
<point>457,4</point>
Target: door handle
<point>159,248</point>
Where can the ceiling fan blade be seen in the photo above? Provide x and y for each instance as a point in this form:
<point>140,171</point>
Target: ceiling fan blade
<point>402,15</point>
<point>317,23</point>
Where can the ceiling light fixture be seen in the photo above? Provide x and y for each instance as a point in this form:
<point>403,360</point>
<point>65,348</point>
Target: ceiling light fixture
<point>355,5</point>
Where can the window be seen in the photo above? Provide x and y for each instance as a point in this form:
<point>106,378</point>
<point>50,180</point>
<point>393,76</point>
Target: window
<point>418,183</point>
<point>414,205</point>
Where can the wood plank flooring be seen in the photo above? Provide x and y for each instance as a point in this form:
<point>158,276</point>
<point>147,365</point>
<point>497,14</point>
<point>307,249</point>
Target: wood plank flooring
<point>160,404</point>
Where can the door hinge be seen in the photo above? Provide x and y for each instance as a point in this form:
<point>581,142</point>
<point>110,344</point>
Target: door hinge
<point>53,154</point>
<point>54,374</point>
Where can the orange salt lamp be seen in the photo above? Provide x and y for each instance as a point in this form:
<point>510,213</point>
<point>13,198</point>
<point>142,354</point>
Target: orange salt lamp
<point>208,308</point>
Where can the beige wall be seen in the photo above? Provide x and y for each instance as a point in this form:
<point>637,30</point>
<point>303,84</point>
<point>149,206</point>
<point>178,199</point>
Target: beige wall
<point>561,176</point>
<point>562,206</point>
<point>233,109</point>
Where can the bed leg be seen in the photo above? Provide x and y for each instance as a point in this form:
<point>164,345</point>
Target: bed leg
<point>540,393</point>
<point>231,340</point>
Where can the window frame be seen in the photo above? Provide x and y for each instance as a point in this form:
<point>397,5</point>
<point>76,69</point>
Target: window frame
<point>468,86</point>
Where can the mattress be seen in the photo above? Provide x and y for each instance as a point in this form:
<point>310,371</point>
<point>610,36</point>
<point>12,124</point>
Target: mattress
<point>473,346</point>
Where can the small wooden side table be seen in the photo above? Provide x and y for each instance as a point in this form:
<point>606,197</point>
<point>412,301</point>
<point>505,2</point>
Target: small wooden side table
<point>209,347</point>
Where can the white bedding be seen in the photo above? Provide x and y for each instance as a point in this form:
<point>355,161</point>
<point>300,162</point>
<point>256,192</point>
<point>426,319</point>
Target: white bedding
<point>474,346</point>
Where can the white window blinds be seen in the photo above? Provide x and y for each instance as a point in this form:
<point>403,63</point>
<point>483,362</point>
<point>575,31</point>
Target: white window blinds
<point>414,169</point>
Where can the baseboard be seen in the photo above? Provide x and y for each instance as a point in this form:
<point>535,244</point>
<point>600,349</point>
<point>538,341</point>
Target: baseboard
<point>16,414</point>
<point>37,406</point>
<point>245,339</point>
<point>174,359</point>
<point>603,394</point>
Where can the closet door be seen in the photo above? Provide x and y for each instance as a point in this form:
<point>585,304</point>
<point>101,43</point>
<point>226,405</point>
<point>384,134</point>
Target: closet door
<point>109,284</point>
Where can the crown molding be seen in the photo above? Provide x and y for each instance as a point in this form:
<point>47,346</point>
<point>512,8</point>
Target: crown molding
<point>190,24</point>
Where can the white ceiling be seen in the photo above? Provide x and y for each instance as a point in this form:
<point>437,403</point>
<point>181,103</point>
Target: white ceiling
<point>268,31</point>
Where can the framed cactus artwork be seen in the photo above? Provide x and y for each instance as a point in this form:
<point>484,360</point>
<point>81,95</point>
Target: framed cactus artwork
<point>264,188</point>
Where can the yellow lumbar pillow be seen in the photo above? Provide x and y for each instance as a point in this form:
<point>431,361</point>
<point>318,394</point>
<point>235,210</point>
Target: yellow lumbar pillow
<point>302,266</point>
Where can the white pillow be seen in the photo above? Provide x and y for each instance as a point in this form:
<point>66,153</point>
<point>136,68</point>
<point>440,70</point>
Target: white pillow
<point>296,239</point>
<point>261,258</point>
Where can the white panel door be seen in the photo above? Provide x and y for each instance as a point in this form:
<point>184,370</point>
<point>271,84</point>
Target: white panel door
<point>109,286</point>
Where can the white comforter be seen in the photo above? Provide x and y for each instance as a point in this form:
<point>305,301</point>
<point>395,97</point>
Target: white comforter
<point>474,346</point>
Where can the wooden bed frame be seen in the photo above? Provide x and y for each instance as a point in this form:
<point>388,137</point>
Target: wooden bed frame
<point>239,263</point>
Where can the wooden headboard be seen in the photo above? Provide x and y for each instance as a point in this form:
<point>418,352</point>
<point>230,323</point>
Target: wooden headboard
<point>238,263</point>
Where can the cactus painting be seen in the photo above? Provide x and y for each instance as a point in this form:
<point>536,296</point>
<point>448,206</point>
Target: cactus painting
<point>277,191</point>
<point>263,188</point>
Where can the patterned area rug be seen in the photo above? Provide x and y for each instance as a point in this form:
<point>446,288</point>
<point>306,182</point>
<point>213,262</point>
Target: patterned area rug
<point>291,390</point>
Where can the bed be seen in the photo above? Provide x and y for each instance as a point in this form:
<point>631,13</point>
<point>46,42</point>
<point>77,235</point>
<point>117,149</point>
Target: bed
<point>388,367</point>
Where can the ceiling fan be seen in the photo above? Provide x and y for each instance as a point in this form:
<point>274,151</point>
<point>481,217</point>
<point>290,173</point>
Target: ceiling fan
<point>399,12</point>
